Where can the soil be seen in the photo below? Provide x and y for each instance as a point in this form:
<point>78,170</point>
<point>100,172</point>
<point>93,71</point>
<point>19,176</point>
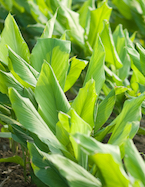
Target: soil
<point>12,175</point>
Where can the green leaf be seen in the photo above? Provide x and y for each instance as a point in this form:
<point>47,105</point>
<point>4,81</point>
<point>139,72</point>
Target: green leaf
<point>123,8</point>
<point>120,44</point>
<point>31,120</point>
<point>131,112</point>
<point>68,125</point>
<point>76,66</point>
<point>36,12</point>
<point>107,40</point>
<point>63,128</point>
<point>12,37</point>
<point>21,70</point>
<point>84,103</point>
<point>7,80</point>
<point>5,110</point>
<point>96,66</point>
<point>43,168</point>
<point>8,120</point>
<point>50,97</point>
<point>107,158</point>
<point>55,166</point>
<point>142,57</point>
<point>80,126</point>
<point>48,31</point>
<point>104,110</point>
<point>135,57</point>
<point>5,135</point>
<point>96,23</point>
<point>112,76</point>
<point>56,53</point>
<point>134,163</point>
<point>15,159</point>
<point>85,14</point>
<point>70,21</point>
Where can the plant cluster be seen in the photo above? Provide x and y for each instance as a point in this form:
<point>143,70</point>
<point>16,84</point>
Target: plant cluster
<point>77,53</point>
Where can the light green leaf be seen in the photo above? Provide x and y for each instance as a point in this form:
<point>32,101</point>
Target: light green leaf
<point>96,66</point>
<point>50,97</point>
<point>5,110</point>
<point>84,103</point>
<point>120,44</point>
<point>131,112</point>
<point>76,66</point>
<point>43,169</point>
<point>36,13</point>
<point>135,57</point>
<point>48,31</point>
<point>74,174</point>
<point>107,40</point>
<point>113,76</point>
<point>77,125</point>
<point>12,37</point>
<point>5,135</point>
<point>107,158</point>
<point>96,23</point>
<point>31,120</point>
<point>21,70</point>
<point>142,57</point>
<point>63,128</point>
<point>134,163</point>
<point>123,8</point>
<point>15,159</point>
<point>7,80</point>
<point>8,120</point>
<point>70,21</point>
<point>56,53</point>
<point>85,14</point>
<point>104,110</point>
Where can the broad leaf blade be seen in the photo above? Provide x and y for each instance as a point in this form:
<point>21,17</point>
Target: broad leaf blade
<point>107,158</point>
<point>84,103</point>
<point>96,66</point>
<point>78,125</point>
<point>120,44</point>
<point>70,20</point>
<point>104,110</point>
<point>20,70</point>
<point>48,30</point>
<point>85,14</point>
<point>134,162</point>
<point>107,40</point>
<point>43,169</point>
<point>131,112</point>
<point>74,174</point>
<point>96,23</point>
<point>7,80</point>
<point>30,118</point>
<point>76,66</point>
<point>15,159</point>
<point>12,37</point>
<point>50,97</point>
<point>56,53</point>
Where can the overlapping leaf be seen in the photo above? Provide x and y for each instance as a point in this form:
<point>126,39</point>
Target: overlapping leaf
<point>68,172</point>
<point>96,23</point>
<point>12,37</point>
<point>56,53</point>
<point>107,158</point>
<point>50,97</point>
<point>76,66</point>
<point>96,66</point>
<point>111,53</point>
